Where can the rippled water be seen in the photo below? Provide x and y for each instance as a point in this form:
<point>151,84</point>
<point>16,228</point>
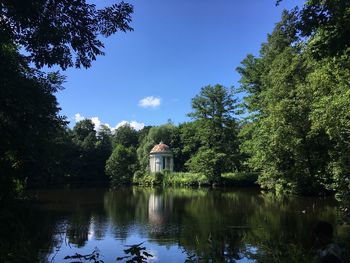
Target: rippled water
<point>224,225</point>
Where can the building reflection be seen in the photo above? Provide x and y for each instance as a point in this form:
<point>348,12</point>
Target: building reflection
<point>155,209</point>
<point>159,209</point>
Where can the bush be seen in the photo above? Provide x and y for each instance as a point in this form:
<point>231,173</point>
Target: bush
<point>138,174</point>
<point>207,162</point>
<point>148,179</point>
<point>240,179</point>
<point>158,178</point>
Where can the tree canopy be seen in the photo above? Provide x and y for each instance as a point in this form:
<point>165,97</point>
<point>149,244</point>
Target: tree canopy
<point>61,32</point>
<point>121,165</point>
<point>29,120</point>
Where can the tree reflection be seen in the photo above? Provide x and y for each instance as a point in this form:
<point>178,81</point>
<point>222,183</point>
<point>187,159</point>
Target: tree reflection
<point>35,231</point>
<point>283,227</point>
<point>99,226</point>
<point>23,230</point>
<point>222,226</point>
<point>78,229</point>
<point>205,224</point>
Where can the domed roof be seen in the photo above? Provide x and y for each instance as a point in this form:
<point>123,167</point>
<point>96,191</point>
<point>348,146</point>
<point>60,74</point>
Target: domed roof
<point>161,147</point>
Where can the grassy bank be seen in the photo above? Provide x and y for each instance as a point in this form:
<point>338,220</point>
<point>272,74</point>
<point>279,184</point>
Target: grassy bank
<point>183,179</point>
<point>195,179</point>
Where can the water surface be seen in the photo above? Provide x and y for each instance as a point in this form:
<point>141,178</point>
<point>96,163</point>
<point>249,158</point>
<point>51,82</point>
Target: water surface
<point>223,225</point>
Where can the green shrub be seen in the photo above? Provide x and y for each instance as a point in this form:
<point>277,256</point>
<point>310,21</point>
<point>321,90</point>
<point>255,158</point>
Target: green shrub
<point>158,178</point>
<point>148,179</point>
<point>138,174</point>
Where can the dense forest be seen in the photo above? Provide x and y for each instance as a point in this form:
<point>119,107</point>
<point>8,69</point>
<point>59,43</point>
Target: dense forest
<point>288,121</point>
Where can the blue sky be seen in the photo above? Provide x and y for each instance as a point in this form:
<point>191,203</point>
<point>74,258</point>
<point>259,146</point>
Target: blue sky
<point>151,74</point>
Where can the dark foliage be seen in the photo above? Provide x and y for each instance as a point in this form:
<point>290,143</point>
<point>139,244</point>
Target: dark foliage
<point>61,32</point>
<point>93,257</point>
<point>135,254</point>
<point>29,120</point>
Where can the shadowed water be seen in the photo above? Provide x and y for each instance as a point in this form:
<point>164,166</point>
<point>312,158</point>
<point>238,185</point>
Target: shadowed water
<point>225,225</point>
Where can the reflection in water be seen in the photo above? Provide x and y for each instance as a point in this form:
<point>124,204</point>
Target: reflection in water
<point>78,229</point>
<point>213,225</point>
<point>155,209</point>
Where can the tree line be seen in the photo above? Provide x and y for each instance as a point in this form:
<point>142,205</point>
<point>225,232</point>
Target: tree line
<point>206,145</point>
<point>292,126</point>
<point>89,154</point>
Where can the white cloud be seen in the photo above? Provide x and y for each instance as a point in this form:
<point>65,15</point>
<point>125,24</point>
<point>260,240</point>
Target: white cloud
<point>121,124</point>
<point>150,102</point>
<point>134,124</point>
<point>137,125</point>
<point>78,117</point>
<point>98,123</point>
<point>155,256</point>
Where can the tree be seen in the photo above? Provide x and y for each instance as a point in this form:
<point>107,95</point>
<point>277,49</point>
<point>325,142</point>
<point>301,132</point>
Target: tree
<point>189,143</point>
<point>280,146</point>
<point>91,151</point>
<point>61,32</point>
<point>125,135</point>
<point>104,137</point>
<point>121,165</point>
<point>84,133</point>
<point>141,134</point>
<point>325,23</point>
<point>208,162</point>
<point>103,149</point>
<point>214,109</point>
<point>29,122</point>
<point>329,83</point>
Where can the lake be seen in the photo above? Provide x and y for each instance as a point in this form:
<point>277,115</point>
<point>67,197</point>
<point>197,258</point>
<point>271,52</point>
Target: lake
<point>175,225</point>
